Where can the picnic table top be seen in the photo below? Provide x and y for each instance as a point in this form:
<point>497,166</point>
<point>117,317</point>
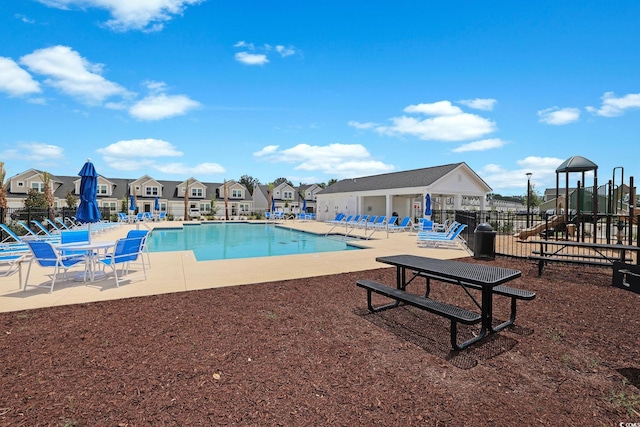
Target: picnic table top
<point>480,274</point>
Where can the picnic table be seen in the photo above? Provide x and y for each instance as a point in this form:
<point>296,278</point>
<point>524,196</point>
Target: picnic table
<point>587,253</point>
<point>486,278</point>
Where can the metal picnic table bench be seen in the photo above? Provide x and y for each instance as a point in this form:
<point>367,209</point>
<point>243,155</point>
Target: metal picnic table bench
<point>489,279</point>
<point>585,253</point>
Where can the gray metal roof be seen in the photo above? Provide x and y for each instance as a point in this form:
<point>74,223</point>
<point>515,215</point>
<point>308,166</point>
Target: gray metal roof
<point>405,179</point>
<point>577,164</point>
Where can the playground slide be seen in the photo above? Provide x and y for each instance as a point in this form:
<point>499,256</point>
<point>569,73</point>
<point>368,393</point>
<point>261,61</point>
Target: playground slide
<point>539,228</point>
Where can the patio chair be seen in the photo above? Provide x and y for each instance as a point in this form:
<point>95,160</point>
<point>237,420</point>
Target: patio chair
<point>62,224</point>
<point>450,240</point>
<point>144,234</point>
<point>125,252</point>
<point>404,225</point>
<point>387,224</point>
<point>53,225</point>
<point>44,231</point>
<point>10,263</point>
<point>46,256</point>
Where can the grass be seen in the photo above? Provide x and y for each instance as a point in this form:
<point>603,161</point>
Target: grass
<point>627,399</point>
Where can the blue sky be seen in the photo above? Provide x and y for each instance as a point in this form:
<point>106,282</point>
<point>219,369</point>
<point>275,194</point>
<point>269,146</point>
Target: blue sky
<point>319,90</point>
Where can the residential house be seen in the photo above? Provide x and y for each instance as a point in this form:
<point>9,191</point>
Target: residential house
<point>451,187</point>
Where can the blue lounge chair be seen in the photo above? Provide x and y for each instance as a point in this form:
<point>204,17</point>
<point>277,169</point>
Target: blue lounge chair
<point>45,255</point>
<point>339,217</point>
<point>404,225</point>
<point>62,224</point>
<point>43,230</point>
<point>449,240</point>
<point>10,263</point>
<point>125,252</point>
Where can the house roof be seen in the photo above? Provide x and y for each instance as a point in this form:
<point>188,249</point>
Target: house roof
<point>405,179</point>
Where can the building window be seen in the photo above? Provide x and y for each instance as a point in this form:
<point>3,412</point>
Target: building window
<point>244,207</point>
<point>204,207</point>
<point>236,194</point>
<point>102,189</point>
<point>110,205</point>
<point>288,195</point>
<point>20,184</point>
<point>196,192</point>
<point>151,191</point>
<point>38,186</point>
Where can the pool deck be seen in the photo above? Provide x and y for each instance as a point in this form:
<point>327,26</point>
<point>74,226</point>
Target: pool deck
<point>180,272</point>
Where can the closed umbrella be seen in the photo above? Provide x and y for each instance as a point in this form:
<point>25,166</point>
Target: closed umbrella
<point>132,203</point>
<point>427,205</point>
<point>156,204</point>
<point>88,211</point>
<point>273,205</point>
<point>304,205</point>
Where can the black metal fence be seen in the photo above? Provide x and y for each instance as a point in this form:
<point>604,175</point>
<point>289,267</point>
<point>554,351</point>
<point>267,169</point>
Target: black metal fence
<point>513,228</point>
<point>10,217</point>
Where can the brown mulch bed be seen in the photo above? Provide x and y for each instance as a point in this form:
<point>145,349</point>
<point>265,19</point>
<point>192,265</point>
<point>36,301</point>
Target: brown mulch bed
<point>306,352</point>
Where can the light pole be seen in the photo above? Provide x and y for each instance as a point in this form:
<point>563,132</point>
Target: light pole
<point>528,196</point>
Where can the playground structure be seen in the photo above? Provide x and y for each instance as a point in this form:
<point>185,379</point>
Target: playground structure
<point>589,212</point>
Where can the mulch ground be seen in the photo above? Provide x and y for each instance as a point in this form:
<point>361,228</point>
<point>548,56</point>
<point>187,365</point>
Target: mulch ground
<point>307,352</point>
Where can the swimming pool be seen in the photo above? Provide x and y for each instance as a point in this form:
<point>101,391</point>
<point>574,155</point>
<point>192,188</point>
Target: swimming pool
<point>218,241</point>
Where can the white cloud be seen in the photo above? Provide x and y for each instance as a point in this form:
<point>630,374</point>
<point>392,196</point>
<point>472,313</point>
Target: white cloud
<point>143,154</point>
<point>449,123</point>
<point>612,106</point>
<point>358,125</point>
<point>269,149</point>
<point>559,116</point>
<point>24,18</point>
<point>543,171</point>
<point>140,148</point>
<point>485,104</point>
<point>340,160</point>
<point>251,58</point>
<point>285,51</point>
<point>72,74</point>
<point>146,15</point>
<point>14,80</point>
<point>482,145</point>
<point>34,152</point>
<point>440,108</point>
<point>161,106</point>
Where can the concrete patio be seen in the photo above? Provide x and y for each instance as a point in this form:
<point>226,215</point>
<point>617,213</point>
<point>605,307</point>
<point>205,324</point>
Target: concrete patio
<point>180,272</point>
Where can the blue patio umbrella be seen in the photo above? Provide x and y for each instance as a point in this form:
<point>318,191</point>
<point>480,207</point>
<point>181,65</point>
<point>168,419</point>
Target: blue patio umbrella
<point>132,202</point>
<point>304,205</point>
<point>273,204</point>
<point>156,204</point>
<point>427,205</point>
<point>88,211</point>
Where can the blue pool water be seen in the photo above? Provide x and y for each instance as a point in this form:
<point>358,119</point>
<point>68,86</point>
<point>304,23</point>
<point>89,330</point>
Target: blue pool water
<point>240,240</point>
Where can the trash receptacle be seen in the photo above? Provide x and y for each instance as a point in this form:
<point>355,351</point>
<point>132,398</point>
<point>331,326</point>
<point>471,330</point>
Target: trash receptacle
<point>484,242</point>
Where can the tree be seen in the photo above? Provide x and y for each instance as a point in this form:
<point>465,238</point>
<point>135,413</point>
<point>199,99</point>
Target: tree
<point>536,198</point>
<point>331,181</point>
<point>249,182</point>
<point>72,201</point>
<point>35,200</point>
<point>226,201</point>
<point>48,193</point>
<point>186,201</point>
<point>279,181</point>
<point>3,191</point>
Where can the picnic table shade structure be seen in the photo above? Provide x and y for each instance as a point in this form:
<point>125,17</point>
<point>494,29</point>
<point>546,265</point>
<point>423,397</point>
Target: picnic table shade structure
<point>88,211</point>
<point>427,205</point>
